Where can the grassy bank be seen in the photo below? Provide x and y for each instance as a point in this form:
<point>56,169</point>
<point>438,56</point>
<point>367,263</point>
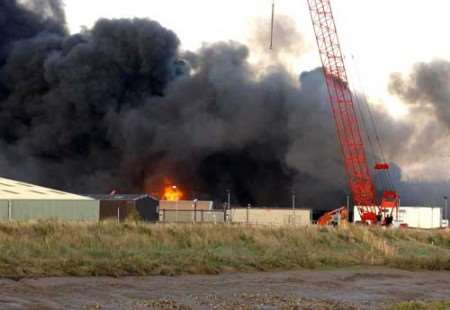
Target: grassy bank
<point>422,305</point>
<point>58,249</point>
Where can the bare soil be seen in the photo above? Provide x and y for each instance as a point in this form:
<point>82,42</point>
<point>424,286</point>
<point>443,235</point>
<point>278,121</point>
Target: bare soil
<point>360,288</point>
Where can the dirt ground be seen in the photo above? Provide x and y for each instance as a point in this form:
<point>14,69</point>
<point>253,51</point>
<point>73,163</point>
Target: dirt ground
<point>361,288</point>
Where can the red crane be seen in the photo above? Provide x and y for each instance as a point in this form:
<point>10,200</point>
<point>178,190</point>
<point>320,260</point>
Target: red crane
<point>371,209</point>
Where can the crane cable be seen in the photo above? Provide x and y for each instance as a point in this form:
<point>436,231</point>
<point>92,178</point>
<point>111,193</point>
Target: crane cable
<point>365,103</point>
<point>372,151</point>
<point>358,103</point>
<point>272,25</point>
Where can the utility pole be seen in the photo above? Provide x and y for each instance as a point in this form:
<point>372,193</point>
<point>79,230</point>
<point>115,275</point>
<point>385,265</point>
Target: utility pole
<point>446,207</point>
<point>348,207</point>
<point>293,206</point>
<point>228,206</point>
<point>293,200</point>
<point>195,210</point>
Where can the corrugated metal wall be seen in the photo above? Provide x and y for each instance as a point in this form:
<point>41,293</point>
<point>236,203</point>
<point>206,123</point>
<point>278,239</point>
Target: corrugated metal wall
<point>4,212</point>
<point>75,210</point>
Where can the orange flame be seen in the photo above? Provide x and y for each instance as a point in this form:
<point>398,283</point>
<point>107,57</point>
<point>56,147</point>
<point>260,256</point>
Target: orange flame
<point>172,193</point>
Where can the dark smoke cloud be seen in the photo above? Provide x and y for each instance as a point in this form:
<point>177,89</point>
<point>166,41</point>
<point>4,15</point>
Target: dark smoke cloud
<point>64,96</point>
<point>427,89</point>
<point>119,106</point>
<point>225,129</point>
<point>16,23</point>
<point>49,10</point>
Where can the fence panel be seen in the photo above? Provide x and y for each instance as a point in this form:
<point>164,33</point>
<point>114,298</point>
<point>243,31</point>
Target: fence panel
<point>271,217</point>
<point>277,217</point>
<point>191,216</point>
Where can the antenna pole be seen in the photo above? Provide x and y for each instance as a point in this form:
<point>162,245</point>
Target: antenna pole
<point>272,24</point>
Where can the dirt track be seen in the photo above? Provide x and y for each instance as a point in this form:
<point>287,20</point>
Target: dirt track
<point>368,288</point>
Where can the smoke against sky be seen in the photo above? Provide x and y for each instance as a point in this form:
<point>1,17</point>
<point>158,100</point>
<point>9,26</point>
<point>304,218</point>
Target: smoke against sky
<point>120,106</point>
<point>427,89</point>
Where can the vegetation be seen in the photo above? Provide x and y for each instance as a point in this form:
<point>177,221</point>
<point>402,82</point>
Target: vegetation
<point>133,248</point>
<point>422,305</point>
<point>255,301</point>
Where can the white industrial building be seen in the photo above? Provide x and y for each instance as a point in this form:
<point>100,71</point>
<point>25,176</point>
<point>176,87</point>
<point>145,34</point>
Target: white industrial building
<point>414,217</point>
<point>25,201</point>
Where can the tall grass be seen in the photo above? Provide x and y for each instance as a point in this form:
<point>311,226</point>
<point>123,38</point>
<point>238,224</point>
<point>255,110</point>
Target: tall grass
<point>82,249</point>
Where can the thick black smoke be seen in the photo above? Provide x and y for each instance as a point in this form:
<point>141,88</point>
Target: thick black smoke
<point>16,24</point>
<point>222,128</point>
<point>119,106</point>
<point>64,97</point>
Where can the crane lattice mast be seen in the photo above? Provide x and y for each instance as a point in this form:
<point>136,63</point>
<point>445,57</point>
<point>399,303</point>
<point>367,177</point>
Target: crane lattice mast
<point>343,107</point>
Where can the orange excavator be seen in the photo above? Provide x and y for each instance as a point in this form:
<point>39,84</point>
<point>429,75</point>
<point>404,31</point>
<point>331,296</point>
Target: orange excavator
<point>335,217</point>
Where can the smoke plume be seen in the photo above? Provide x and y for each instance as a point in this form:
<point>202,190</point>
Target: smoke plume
<point>426,89</point>
<point>288,41</point>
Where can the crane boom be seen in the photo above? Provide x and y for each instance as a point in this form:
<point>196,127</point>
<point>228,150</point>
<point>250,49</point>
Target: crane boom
<point>341,99</point>
<point>348,130</point>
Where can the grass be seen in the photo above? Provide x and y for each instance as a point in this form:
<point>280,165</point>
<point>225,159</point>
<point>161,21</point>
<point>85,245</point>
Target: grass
<point>81,249</point>
<point>422,305</point>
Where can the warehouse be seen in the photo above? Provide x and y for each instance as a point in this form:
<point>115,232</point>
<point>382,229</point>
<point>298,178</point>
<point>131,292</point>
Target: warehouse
<point>122,207</point>
<point>23,201</point>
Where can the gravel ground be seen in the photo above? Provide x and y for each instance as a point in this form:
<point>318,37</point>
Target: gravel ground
<point>362,288</point>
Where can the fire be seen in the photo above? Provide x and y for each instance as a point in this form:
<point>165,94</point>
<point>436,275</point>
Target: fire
<point>172,193</point>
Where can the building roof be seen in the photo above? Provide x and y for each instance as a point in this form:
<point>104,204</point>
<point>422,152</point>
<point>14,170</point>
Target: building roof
<point>16,190</point>
<point>127,197</point>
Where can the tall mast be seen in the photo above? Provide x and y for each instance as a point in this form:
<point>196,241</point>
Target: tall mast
<point>341,99</point>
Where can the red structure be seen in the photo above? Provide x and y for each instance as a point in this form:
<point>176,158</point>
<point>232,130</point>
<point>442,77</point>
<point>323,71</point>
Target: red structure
<point>347,125</point>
